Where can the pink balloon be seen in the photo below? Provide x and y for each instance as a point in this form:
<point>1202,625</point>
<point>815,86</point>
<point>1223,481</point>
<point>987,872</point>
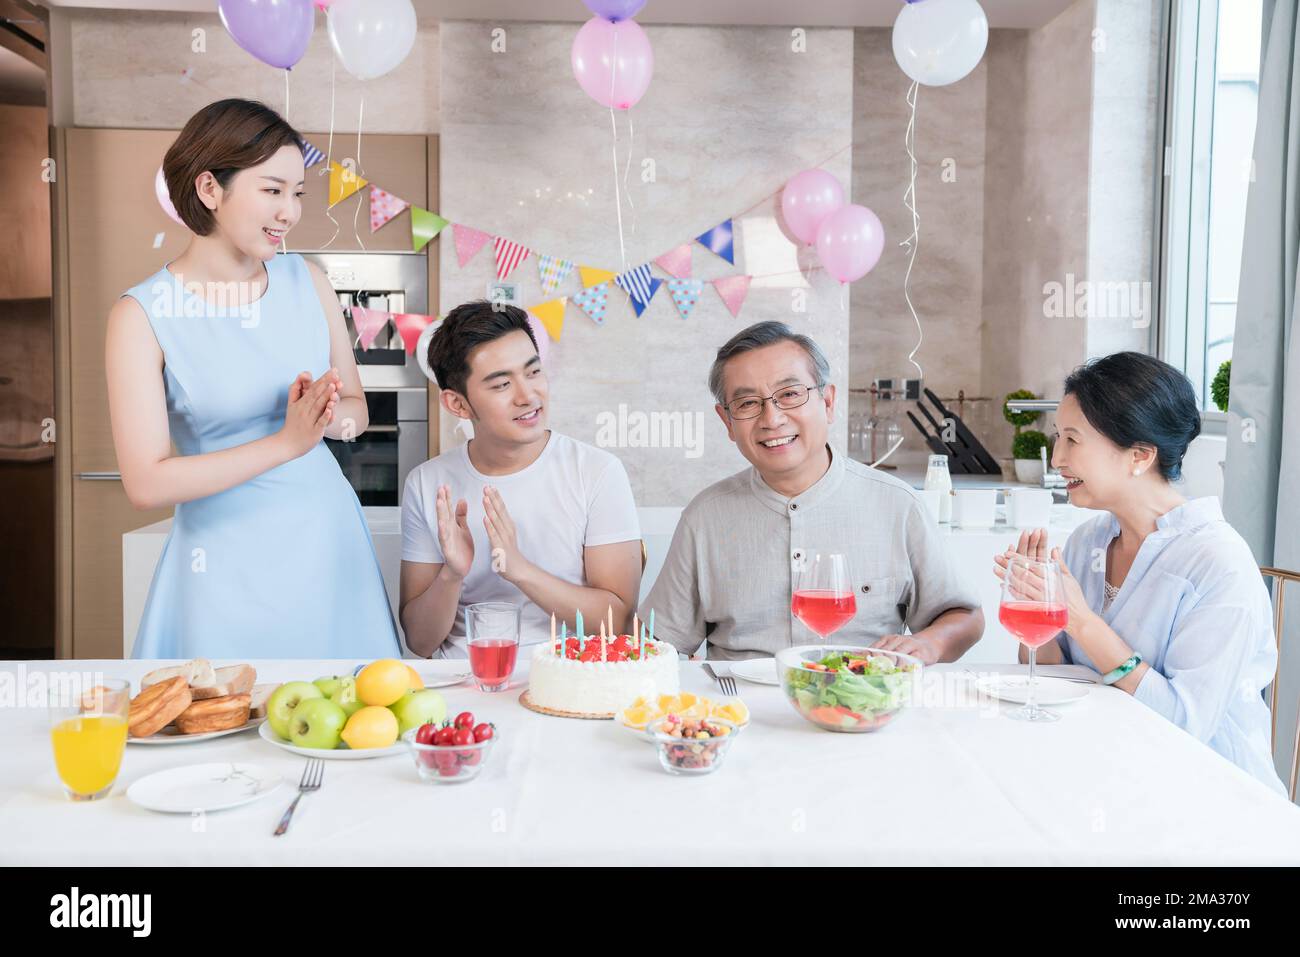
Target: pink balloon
<point>612,62</point>
<point>808,199</point>
<point>849,242</point>
<point>322,4</point>
<point>165,198</point>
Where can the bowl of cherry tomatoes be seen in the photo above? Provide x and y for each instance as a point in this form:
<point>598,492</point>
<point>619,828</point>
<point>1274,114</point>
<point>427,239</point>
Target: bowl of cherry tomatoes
<point>453,751</point>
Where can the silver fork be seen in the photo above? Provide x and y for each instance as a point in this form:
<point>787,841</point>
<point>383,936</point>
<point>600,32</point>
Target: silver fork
<point>725,682</point>
<point>312,775</point>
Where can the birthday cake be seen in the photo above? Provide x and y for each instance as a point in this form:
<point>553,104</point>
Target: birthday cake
<point>600,676</point>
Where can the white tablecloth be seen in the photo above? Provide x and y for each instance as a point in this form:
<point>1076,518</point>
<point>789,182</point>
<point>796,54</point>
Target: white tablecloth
<point>951,781</point>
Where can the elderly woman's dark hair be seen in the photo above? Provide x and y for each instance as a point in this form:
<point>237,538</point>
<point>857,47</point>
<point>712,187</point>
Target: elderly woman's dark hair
<point>1137,400</point>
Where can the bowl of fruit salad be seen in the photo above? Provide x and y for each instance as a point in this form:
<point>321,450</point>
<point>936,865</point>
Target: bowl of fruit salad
<point>451,751</point>
<point>843,688</point>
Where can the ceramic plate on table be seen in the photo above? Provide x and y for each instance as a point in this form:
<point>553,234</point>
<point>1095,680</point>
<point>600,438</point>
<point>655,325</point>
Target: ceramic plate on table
<point>445,681</point>
<point>761,671</point>
<point>203,787</point>
<point>1015,689</point>
<point>169,735</point>
<point>337,754</point>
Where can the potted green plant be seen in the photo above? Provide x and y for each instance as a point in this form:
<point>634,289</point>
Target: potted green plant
<point>1219,387</point>
<point>1025,445</point>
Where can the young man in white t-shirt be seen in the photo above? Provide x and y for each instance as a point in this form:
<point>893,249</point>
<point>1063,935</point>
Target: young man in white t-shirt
<point>519,513</point>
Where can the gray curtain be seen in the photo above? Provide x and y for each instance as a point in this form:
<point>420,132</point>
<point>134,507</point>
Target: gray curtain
<point>1262,486</point>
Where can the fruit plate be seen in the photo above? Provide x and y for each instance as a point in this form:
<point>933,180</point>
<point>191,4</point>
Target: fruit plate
<point>645,736</point>
<point>337,754</point>
<point>203,787</point>
<point>169,734</point>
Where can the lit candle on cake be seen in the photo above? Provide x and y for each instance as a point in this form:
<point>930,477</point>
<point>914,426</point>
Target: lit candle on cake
<point>579,632</point>
<point>602,641</point>
<point>564,638</point>
<point>557,653</point>
<point>636,633</point>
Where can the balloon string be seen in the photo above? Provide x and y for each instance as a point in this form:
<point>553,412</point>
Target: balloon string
<point>283,247</point>
<point>631,139</point>
<point>329,156</point>
<point>912,242</point>
<point>613,126</point>
<point>361,112</point>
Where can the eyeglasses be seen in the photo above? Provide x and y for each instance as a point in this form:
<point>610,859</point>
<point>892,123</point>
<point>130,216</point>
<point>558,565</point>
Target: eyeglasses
<point>751,406</point>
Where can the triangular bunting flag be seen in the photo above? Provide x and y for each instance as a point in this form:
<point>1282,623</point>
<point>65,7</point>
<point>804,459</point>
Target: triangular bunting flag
<point>468,242</point>
<point>733,290</point>
<point>591,276</point>
<point>343,183</point>
<point>551,315</point>
<point>640,306</point>
<point>718,240</point>
<point>310,155</point>
<point>677,262</point>
<point>685,294</point>
<point>383,207</point>
<point>410,325</point>
<point>593,302</point>
<point>553,271</point>
<point>636,283</point>
<point>509,255</point>
<point>424,226</point>
<point>368,323</point>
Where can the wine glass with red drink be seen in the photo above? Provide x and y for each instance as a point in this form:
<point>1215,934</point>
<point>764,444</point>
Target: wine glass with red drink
<point>492,631</point>
<point>823,593</point>
<point>1033,609</point>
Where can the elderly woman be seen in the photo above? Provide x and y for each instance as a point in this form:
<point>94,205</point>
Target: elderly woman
<point>1165,599</point>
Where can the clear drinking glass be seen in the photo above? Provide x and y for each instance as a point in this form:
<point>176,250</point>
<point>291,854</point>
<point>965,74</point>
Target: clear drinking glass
<point>88,734</point>
<point>823,596</point>
<point>1033,609</point>
<point>492,633</point>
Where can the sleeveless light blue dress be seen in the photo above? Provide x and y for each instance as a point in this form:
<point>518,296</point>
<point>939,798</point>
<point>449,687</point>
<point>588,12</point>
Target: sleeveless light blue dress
<point>281,566</point>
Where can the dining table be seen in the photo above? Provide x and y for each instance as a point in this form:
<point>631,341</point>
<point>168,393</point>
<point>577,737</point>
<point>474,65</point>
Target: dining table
<point>952,780</point>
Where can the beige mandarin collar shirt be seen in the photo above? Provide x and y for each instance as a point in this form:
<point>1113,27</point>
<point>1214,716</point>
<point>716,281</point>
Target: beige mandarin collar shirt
<point>730,568</point>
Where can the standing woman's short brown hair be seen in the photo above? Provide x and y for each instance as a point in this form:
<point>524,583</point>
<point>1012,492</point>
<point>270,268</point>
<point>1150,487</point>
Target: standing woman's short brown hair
<point>223,138</point>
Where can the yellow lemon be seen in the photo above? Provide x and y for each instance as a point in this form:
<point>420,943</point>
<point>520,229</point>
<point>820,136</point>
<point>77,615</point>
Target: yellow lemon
<point>371,727</point>
<point>638,716</point>
<point>417,683</point>
<point>384,681</point>
<point>734,711</point>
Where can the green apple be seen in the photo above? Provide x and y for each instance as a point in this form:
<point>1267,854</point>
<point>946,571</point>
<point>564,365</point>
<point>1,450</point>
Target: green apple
<point>329,686</point>
<point>346,696</point>
<point>283,700</point>
<point>418,707</point>
<point>317,723</point>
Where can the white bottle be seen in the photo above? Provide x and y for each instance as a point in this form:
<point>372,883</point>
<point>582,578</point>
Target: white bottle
<point>937,477</point>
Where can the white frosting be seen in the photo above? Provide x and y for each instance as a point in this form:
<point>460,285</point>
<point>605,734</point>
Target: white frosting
<point>599,687</point>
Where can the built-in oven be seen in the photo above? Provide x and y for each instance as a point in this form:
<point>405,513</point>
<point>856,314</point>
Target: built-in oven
<point>377,462</point>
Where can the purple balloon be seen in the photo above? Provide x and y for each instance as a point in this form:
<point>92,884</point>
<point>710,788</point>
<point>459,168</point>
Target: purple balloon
<point>275,31</point>
<point>615,9</point>
<point>612,62</point>
<point>849,242</point>
<point>808,199</point>
<point>165,198</point>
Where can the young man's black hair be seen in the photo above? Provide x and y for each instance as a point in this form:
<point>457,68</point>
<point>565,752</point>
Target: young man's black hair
<point>466,327</point>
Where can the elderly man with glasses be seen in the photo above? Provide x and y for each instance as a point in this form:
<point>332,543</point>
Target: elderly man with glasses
<point>731,568</point>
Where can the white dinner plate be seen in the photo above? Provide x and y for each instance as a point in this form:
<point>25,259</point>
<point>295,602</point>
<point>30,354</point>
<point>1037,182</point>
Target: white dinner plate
<point>1015,689</point>
<point>342,753</point>
<point>203,787</point>
<point>761,671</point>
<point>444,681</point>
<point>170,735</point>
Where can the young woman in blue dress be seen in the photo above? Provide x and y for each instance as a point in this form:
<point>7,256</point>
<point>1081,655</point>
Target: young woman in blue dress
<point>1165,599</point>
<point>240,359</point>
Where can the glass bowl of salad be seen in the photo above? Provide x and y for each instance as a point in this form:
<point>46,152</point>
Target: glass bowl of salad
<point>844,688</point>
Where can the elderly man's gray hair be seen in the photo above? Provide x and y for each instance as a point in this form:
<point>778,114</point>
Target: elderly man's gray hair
<point>757,336</point>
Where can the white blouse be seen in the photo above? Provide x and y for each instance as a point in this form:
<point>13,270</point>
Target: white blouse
<point>1195,607</point>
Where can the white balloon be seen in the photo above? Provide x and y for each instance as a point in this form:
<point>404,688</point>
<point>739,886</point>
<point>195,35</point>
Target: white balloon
<point>937,42</point>
<point>371,37</point>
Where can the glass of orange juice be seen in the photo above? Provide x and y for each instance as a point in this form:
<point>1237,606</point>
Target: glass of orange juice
<point>88,732</point>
